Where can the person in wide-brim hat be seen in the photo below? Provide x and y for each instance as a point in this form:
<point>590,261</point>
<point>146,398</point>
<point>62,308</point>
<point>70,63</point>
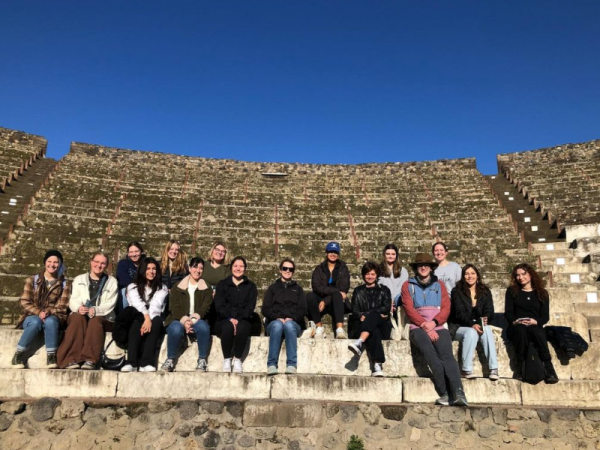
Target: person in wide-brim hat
<point>424,259</point>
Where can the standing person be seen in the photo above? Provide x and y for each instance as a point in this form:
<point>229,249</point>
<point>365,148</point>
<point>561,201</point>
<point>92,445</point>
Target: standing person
<point>44,301</point>
<point>92,307</point>
<point>330,285</point>
<point>173,264</point>
<point>527,310</point>
<point>427,305</point>
<point>371,308</point>
<point>393,275</point>
<point>147,294</point>
<point>447,271</point>
<point>472,312</point>
<point>126,271</point>
<point>284,307</point>
<point>189,302</point>
<point>235,300</point>
<point>217,267</point>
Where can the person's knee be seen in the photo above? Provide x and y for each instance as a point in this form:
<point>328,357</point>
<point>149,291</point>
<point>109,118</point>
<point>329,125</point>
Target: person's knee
<point>470,335</point>
<point>244,326</point>
<point>275,328</point>
<point>175,329</point>
<point>290,327</point>
<point>77,319</point>
<point>52,321</point>
<point>201,327</point>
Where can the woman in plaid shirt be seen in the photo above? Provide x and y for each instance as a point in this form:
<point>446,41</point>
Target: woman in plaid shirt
<point>44,301</point>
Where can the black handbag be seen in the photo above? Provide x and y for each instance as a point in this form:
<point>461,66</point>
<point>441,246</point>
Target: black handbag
<point>111,363</point>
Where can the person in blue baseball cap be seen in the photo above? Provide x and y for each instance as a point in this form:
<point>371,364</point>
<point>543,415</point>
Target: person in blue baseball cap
<point>330,285</point>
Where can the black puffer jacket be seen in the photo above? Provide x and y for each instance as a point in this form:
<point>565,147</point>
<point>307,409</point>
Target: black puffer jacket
<point>382,302</point>
<point>320,279</point>
<point>235,302</point>
<point>567,340</point>
<point>463,314</point>
<point>284,300</point>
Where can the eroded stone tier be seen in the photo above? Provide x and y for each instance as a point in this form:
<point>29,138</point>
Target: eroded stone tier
<point>101,198</point>
<point>562,180</point>
<point>18,150</point>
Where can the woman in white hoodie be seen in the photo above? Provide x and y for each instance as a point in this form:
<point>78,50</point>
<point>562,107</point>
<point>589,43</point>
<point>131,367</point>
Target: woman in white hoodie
<point>147,294</point>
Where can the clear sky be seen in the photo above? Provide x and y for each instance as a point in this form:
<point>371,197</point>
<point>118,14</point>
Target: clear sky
<point>303,81</point>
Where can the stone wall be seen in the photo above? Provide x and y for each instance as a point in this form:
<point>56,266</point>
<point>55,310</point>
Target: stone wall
<point>50,423</point>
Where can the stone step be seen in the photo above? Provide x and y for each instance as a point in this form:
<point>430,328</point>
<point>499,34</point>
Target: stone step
<point>575,279</point>
<point>330,357</point>
<point>594,321</point>
<point>26,384</point>
<point>548,247</point>
<point>571,268</point>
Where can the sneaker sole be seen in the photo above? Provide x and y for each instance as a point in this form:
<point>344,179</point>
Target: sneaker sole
<point>442,403</point>
<point>17,366</point>
<point>460,402</point>
<point>378,374</point>
<point>354,349</point>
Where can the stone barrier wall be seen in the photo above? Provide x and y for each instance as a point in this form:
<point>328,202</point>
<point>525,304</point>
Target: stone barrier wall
<point>50,423</point>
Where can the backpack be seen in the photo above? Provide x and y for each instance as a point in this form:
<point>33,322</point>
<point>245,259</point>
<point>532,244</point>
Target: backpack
<point>533,368</point>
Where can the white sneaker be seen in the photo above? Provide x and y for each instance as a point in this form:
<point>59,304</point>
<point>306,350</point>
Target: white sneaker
<point>147,369</point>
<point>340,334</point>
<point>227,365</point>
<point>237,366</point>
<point>128,368</point>
<point>320,333</point>
<point>377,370</point>
<point>310,331</point>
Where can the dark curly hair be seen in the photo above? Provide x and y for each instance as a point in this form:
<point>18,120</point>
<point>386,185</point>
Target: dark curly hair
<point>538,285</point>
<point>481,290</point>
<point>368,266</point>
<point>141,281</point>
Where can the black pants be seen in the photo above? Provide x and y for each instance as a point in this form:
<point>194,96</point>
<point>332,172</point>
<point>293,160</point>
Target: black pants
<point>141,350</point>
<point>377,327</point>
<point>334,305</point>
<point>521,335</point>
<point>440,360</point>
<point>229,341</point>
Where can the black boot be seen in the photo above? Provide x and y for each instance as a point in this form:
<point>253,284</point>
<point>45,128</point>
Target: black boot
<point>518,373</point>
<point>551,376</point>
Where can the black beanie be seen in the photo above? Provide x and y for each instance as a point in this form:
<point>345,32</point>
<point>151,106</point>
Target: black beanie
<point>56,253</point>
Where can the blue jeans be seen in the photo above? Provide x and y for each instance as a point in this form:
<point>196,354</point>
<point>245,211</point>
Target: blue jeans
<point>176,332</point>
<point>469,338</point>
<point>33,325</point>
<point>276,330</point>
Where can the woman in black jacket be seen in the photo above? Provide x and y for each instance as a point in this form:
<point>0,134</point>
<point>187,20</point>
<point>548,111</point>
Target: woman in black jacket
<point>235,300</point>
<point>527,310</point>
<point>284,307</point>
<point>371,305</point>
<point>472,311</point>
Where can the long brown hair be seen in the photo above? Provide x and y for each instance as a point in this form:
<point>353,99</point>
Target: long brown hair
<point>226,258</point>
<point>538,285</point>
<point>396,267</point>
<point>179,264</point>
<point>481,290</point>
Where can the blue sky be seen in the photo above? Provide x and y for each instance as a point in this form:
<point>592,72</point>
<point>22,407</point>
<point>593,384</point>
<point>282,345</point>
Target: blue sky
<point>304,81</point>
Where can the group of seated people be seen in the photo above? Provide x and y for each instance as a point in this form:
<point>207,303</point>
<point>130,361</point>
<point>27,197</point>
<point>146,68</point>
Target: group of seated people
<point>190,300</point>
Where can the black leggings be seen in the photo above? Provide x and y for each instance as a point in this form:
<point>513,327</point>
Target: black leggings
<point>377,327</point>
<point>237,341</point>
<point>141,350</point>
<point>521,335</point>
<point>334,305</point>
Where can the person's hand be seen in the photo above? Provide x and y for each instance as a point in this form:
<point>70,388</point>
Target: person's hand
<point>146,326</point>
<point>91,312</point>
<point>428,326</point>
<point>188,326</point>
<point>83,310</point>
<point>433,335</point>
<point>485,320</point>
<point>384,316</point>
<point>529,322</point>
<point>234,322</point>
<point>321,306</point>
<point>362,318</point>
<point>287,320</point>
<point>344,295</point>
<point>393,310</point>
<point>477,328</point>
<point>282,320</point>
<point>43,315</point>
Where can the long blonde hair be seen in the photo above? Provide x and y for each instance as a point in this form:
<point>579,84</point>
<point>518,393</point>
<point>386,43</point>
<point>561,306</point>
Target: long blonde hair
<point>179,264</point>
<point>226,258</point>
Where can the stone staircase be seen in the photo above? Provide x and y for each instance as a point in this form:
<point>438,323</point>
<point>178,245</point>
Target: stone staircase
<point>532,225</point>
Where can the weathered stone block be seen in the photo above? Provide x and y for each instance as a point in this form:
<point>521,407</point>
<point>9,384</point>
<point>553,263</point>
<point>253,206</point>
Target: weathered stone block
<point>583,394</point>
<point>337,388</point>
<point>268,414</point>
<point>71,383</point>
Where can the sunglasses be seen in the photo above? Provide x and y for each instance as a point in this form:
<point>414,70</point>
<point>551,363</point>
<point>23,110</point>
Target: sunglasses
<point>287,269</point>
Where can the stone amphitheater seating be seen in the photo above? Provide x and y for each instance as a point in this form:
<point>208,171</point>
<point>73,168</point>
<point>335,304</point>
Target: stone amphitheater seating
<point>18,151</point>
<point>561,180</point>
<point>102,198</point>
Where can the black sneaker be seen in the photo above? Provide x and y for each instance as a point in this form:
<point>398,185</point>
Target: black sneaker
<point>443,400</point>
<point>18,362</point>
<point>459,398</point>
<point>168,365</point>
<point>551,376</point>
<point>356,347</point>
<point>51,361</point>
